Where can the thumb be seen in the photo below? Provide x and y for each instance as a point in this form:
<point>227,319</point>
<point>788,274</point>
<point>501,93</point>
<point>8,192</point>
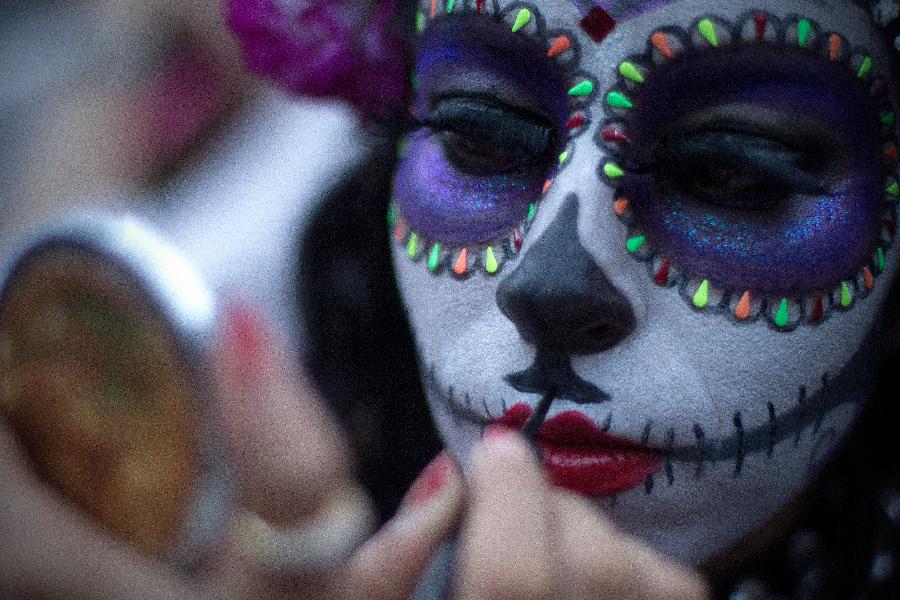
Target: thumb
<point>390,564</point>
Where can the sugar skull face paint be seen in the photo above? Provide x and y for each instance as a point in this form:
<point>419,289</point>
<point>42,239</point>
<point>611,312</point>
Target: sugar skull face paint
<point>697,393</point>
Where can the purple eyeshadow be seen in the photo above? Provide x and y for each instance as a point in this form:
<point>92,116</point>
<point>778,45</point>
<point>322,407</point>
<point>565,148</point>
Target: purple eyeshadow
<point>455,208</point>
<point>809,244</point>
<point>458,53</point>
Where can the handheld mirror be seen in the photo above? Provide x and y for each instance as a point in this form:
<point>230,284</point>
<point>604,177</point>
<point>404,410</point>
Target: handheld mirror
<point>104,379</point>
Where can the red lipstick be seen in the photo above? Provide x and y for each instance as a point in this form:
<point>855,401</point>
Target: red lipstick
<point>579,456</point>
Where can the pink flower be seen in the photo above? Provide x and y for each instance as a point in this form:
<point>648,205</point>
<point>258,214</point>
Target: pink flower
<point>355,51</point>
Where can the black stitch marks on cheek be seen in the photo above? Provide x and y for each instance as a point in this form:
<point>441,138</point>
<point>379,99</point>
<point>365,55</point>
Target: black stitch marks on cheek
<point>773,429</point>
<point>700,436</point>
<point>739,452</point>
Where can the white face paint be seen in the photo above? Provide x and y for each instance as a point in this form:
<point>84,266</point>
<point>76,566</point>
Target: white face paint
<point>736,404</point>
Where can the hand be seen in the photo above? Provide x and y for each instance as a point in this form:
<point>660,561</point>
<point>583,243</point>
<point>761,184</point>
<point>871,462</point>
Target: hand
<point>291,462</point>
<point>525,539</point>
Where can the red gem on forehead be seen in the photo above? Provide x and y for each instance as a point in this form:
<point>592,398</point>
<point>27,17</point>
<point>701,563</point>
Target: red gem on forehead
<point>761,20</point>
<point>598,24</point>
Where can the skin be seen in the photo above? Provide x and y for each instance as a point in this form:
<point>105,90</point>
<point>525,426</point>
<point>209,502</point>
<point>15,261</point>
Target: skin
<point>677,367</point>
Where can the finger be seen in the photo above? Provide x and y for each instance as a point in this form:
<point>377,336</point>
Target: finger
<point>603,562</point>
<point>52,550</point>
<point>391,563</point>
<point>506,545</point>
<point>290,454</point>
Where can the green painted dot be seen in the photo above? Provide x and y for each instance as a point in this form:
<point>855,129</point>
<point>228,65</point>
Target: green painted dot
<point>434,258</point>
<point>804,28</point>
<point>532,209</point>
<point>629,71</point>
<point>564,156</point>
<point>412,245</point>
<point>893,189</point>
<point>846,295</point>
<point>701,296</point>
<point>490,261</point>
<point>783,315</point>
<point>450,5</point>
<point>392,215</point>
<point>881,260</point>
<point>889,118</point>
<point>708,30</point>
<point>420,21</point>
<point>634,244</point>
<point>613,171</point>
<point>522,19</point>
<point>585,88</point>
<point>865,68</point>
<point>618,100</point>
<point>414,81</point>
<point>401,147</point>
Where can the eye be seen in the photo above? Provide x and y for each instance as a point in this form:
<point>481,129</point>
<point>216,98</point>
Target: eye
<point>489,112</point>
<point>754,162</point>
<point>767,177</point>
<point>481,136</point>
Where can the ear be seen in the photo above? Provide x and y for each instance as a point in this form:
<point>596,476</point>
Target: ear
<point>359,349</point>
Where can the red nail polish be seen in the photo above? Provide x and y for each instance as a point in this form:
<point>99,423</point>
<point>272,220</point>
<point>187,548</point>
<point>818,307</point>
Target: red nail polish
<point>247,341</point>
<point>430,480</point>
<point>493,432</point>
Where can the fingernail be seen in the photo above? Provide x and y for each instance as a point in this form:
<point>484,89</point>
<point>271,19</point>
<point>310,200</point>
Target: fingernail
<point>247,342</point>
<point>496,432</point>
<point>430,481</point>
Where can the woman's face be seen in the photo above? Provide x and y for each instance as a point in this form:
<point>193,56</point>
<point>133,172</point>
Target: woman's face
<point>675,216</point>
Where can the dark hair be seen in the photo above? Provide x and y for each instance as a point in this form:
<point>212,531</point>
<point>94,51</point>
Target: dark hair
<point>360,349</point>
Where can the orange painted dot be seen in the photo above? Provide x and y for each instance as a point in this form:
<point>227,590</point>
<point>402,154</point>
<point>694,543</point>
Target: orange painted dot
<point>834,46</point>
<point>462,262</point>
<point>433,8</point>
<point>869,278</point>
<point>559,45</point>
<point>399,231</point>
<point>661,42</point>
<point>620,206</point>
<point>547,185</point>
<point>891,152</point>
<point>742,310</point>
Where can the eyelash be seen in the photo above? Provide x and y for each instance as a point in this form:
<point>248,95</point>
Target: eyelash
<point>783,313</point>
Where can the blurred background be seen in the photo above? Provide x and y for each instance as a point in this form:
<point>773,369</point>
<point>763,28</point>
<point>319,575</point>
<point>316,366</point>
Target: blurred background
<point>143,106</point>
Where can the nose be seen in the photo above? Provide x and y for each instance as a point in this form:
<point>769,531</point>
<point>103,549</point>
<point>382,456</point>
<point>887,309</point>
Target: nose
<point>559,298</point>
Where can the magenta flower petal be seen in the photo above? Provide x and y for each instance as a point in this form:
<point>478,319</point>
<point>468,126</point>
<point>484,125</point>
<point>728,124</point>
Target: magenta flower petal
<point>354,51</point>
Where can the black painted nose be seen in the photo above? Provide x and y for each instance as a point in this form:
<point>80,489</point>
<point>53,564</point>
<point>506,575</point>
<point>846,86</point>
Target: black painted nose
<point>559,299</point>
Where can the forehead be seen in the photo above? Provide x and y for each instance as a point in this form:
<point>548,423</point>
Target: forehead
<point>599,20</point>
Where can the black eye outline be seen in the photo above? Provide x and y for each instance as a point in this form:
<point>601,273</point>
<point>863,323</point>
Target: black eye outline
<point>483,136</point>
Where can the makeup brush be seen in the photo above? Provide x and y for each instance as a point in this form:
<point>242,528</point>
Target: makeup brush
<point>534,421</point>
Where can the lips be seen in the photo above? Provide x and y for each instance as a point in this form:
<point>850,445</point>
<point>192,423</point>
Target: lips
<point>581,457</point>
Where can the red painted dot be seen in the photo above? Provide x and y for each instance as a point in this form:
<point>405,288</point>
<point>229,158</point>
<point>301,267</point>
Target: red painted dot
<point>761,20</point>
<point>879,89</point>
<point>576,121</point>
<point>613,134</point>
<point>662,275</point>
<point>598,24</point>
<point>890,227</point>
<point>891,152</point>
<point>517,238</point>
<point>479,5</point>
<point>818,311</point>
